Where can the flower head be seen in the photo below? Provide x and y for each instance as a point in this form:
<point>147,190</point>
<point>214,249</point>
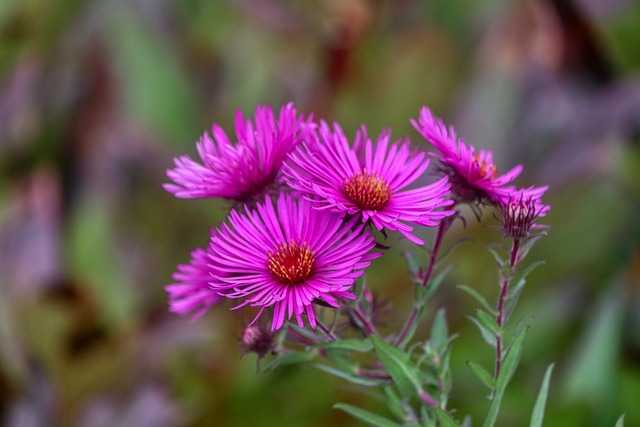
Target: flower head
<point>258,339</point>
<point>243,171</point>
<point>367,180</point>
<point>473,175</point>
<point>519,211</point>
<point>286,256</point>
<point>191,293</point>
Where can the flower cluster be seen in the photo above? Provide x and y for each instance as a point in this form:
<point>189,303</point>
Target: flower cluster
<point>307,202</point>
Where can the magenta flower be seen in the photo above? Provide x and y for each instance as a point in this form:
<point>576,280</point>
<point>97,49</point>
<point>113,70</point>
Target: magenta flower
<point>287,256</point>
<point>473,175</point>
<point>367,180</point>
<point>243,171</point>
<point>191,292</point>
<point>519,211</point>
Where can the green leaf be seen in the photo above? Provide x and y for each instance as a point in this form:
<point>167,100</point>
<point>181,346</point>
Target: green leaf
<point>538,409</point>
<point>481,374</point>
<point>412,263</point>
<point>414,325</point>
<point>437,280</point>
<point>444,419</point>
<point>592,370</point>
<point>404,373</point>
<point>489,322</point>
<point>620,422</point>
<point>478,297</point>
<point>511,359</point>
<point>439,332</point>
<point>342,360</point>
<point>509,365</point>
<point>292,358</point>
<point>443,256</point>
<point>351,377</point>
<point>497,257</point>
<point>394,403</point>
<point>366,416</point>
<point>487,335</point>
<point>350,344</point>
<point>425,418</point>
<point>516,290</point>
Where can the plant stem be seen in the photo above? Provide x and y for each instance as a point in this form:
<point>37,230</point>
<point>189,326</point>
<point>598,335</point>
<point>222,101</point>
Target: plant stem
<point>442,228</point>
<point>367,326</point>
<point>501,317</point>
<point>413,316</point>
<point>326,331</point>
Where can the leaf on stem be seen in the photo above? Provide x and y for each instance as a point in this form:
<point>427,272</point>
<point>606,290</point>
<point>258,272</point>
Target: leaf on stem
<point>620,422</point>
<point>488,326</point>
<point>395,404</point>
<point>478,298</point>
<point>437,280</point>
<point>440,332</point>
<point>404,373</point>
<point>412,263</point>
<point>509,365</point>
<point>538,409</point>
<point>350,344</point>
<point>351,377</point>
<point>366,416</point>
<point>444,419</point>
<point>482,375</point>
<point>292,358</point>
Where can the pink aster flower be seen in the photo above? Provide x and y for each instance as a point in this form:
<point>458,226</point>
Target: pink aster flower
<point>288,255</point>
<point>368,180</point>
<point>191,293</point>
<point>243,171</point>
<point>519,211</point>
<point>473,175</point>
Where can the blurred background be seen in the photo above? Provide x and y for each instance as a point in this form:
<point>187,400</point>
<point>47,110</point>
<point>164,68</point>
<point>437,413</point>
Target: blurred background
<point>97,97</point>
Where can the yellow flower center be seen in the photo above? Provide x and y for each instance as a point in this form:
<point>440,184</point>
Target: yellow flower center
<point>291,263</point>
<point>369,191</point>
<point>487,169</point>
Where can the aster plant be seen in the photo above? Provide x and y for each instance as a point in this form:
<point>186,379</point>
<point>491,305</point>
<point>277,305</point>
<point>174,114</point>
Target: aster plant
<point>312,211</point>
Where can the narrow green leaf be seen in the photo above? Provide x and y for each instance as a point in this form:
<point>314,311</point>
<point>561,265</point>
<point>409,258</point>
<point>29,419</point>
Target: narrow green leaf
<point>439,332</point>
<point>394,403</point>
<point>511,360</point>
<point>342,360</point>
<point>487,335</point>
<point>620,422</point>
<point>478,298</point>
<point>366,416</point>
<point>414,325</point>
<point>446,254</point>
<point>509,365</point>
<point>352,378</point>
<point>538,409</point>
<point>497,257</point>
<point>437,280</point>
<point>489,322</point>
<point>292,358</point>
<point>426,419</point>
<point>350,344</point>
<point>412,263</point>
<point>481,374</point>
<point>404,373</point>
<point>444,419</point>
<point>530,268</point>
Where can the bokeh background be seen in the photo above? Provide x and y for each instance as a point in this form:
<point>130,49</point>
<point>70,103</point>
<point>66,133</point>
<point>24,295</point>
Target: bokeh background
<point>97,97</point>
